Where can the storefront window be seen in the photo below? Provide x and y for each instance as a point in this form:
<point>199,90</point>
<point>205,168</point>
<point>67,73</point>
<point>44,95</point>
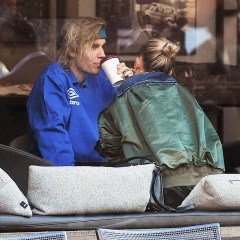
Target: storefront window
<point>208,31</point>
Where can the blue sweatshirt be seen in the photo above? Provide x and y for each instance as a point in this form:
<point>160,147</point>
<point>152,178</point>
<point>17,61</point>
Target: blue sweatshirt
<point>63,115</point>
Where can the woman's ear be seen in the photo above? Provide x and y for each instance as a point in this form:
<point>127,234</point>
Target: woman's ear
<point>138,65</point>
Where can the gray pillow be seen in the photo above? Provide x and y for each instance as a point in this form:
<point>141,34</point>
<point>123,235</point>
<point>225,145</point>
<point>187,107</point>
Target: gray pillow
<point>89,190</point>
<point>12,200</point>
<point>216,192</point>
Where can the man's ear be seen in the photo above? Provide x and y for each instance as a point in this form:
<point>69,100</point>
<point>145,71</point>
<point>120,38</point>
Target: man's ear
<point>71,53</point>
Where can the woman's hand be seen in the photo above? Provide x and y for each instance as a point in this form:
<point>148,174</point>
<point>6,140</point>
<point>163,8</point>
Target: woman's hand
<point>124,71</point>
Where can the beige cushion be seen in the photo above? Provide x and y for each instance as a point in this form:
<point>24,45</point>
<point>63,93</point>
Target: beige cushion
<point>216,192</point>
<point>87,190</point>
<point>12,200</point>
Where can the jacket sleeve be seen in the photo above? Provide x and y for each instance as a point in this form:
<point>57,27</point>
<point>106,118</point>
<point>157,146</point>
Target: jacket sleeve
<point>109,144</point>
<point>214,143</point>
<point>49,110</point>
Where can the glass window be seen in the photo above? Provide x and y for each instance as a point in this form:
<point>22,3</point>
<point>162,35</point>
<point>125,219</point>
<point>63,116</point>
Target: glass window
<point>208,31</point>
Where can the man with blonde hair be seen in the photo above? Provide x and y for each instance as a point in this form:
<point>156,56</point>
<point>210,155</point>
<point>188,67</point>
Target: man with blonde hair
<point>66,99</point>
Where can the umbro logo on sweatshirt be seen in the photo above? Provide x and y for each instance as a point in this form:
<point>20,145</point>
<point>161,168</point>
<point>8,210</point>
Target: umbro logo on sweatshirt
<point>72,94</point>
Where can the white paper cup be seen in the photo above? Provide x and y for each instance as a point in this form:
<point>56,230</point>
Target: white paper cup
<point>109,65</point>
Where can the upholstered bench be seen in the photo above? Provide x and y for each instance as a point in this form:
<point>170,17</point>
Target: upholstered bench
<point>15,163</point>
<point>83,227</point>
<point>121,221</point>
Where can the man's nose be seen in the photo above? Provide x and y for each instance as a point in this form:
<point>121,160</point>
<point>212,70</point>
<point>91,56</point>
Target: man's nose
<point>102,53</point>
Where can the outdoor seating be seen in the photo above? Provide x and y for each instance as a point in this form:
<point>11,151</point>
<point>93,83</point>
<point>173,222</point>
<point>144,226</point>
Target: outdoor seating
<point>10,157</point>
<point>147,220</point>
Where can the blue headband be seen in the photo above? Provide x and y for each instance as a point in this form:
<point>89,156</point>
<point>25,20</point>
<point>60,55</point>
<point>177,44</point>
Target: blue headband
<point>102,33</point>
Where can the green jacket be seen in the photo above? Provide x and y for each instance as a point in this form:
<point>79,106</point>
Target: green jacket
<point>152,115</point>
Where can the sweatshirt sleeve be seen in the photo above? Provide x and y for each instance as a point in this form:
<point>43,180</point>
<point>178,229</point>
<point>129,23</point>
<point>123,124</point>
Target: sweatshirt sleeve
<point>49,111</point>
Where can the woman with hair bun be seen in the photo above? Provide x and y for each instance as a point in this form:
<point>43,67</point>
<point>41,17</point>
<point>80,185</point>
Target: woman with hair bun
<point>152,115</point>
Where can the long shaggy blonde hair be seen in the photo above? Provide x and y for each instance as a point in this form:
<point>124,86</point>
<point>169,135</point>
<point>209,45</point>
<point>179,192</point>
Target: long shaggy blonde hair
<point>159,55</point>
<point>77,37</point>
